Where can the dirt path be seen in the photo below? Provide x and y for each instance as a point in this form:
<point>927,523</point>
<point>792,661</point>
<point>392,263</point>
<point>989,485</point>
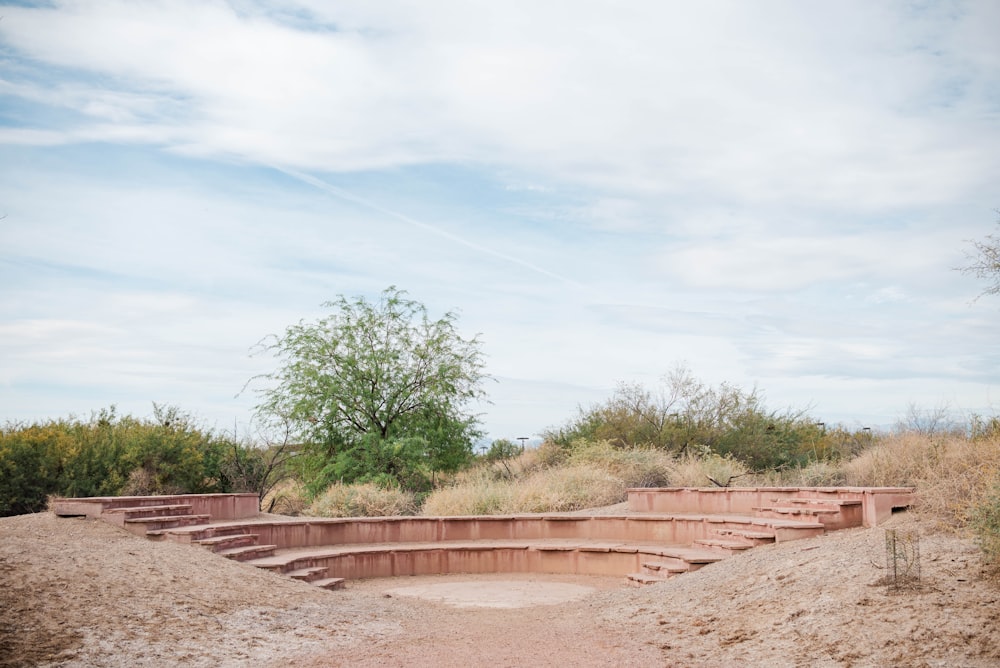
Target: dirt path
<point>82,593</point>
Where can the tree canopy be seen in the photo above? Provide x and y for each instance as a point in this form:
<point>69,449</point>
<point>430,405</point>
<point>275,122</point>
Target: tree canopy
<point>984,262</point>
<point>377,390</point>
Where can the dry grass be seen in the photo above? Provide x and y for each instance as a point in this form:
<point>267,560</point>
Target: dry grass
<point>699,470</point>
<point>952,474</point>
<point>362,500</point>
<point>556,489</point>
<point>635,467</point>
<point>814,474</point>
<point>568,488</point>
<point>289,497</point>
<point>477,493</point>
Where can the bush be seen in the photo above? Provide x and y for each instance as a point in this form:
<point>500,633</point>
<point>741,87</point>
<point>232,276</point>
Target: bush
<point>362,500</point>
<point>813,474</point>
<point>952,473</point>
<point>684,413</point>
<point>699,469</point>
<point>31,466</point>
<point>634,466</point>
<point>287,497</point>
<point>567,488</point>
<point>108,455</point>
<point>481,494</point>
<point>985,522</point>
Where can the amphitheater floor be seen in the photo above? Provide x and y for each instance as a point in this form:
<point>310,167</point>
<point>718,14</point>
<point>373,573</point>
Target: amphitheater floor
<point>83,593</point>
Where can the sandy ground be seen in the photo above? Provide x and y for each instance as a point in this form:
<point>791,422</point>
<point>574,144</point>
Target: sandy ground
<point>75,592</point>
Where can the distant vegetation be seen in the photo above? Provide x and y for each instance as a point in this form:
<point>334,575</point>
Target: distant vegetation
<point>120,455</point>
<point>684,434</point>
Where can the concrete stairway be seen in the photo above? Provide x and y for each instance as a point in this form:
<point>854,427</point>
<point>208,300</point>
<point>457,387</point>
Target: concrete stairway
<point>666,532</point>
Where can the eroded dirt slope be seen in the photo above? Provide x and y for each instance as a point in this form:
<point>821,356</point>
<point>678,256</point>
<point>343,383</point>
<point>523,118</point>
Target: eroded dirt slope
<point>82,593</point>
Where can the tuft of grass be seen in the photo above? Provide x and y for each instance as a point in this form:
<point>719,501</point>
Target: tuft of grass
<point>563,488</point>
<point>698,470</point>
<point>362,500</point>
<point>813,474</point>
<point>288,497</point>
<point>573,487</point>
<point>985,523</point>
<point>634,466</point>
<point>474,493</point>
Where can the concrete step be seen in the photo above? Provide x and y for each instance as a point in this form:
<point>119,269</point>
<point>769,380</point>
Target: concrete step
<point>308,574</point>
<point>686,559</point>
<point>145,525</point>
<point>137,512</point>
<point>217,543</point>
<point>817,501</point>
<point>693,555</point>
<point>196,533</point>
<point>831,516</point>
<point>329,583</point>
<point>723,545</point>
<point>642,579</point>
<point>663,569</point>
<point>248,552</point>
<point>754,538</point>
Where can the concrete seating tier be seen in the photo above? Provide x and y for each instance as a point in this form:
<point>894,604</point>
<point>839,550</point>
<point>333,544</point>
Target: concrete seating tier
<point>830,505</point>
<point>142,514</point>
<point>666,532</point>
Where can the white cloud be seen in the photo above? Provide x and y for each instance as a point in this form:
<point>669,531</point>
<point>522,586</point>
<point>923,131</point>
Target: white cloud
<point>775,192</point>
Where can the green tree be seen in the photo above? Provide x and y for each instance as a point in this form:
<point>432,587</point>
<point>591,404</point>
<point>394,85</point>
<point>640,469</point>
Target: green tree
<point>984,262</point>
<point>376,391</point>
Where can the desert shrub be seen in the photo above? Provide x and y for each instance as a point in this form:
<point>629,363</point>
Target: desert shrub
<point>683,413</point>
<point>362,500</point>
<point>108,455</point>
<point>813,474</point>
<point>634,466</point>
<point>176,456</point>
<point>985,522</point>
<point>287,497</point>
<point>472,495</point>
<point>952,473</point>
<point>895,460</point>
<point>31,463</point>
<point>568,488</point>
<point>551,453</point>
<point>700,468</point>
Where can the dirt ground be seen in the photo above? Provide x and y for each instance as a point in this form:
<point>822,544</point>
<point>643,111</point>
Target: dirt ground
<point>77,592</point>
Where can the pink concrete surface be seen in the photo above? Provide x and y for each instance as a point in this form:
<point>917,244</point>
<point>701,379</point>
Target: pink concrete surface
<point>666,531</point>
<point>877,503</point>
<point>218,506</point>
<point>656,529</point>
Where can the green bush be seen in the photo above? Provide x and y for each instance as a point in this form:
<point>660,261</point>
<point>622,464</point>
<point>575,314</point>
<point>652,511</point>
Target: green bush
<point>31,463</point>
<point>108,455</point>
<point>684,413</point>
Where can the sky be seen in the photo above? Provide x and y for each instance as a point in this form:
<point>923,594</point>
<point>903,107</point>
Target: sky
<point>771,194</point>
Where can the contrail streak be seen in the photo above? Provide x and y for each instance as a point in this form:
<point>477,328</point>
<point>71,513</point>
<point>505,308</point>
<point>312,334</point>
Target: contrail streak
<point>351,197</point>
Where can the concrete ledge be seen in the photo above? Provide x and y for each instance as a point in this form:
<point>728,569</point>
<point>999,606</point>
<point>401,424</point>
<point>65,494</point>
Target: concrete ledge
<point>675,529</point>
<point>877,503</point>
<point>396,559</point>
<point>218,506</point>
